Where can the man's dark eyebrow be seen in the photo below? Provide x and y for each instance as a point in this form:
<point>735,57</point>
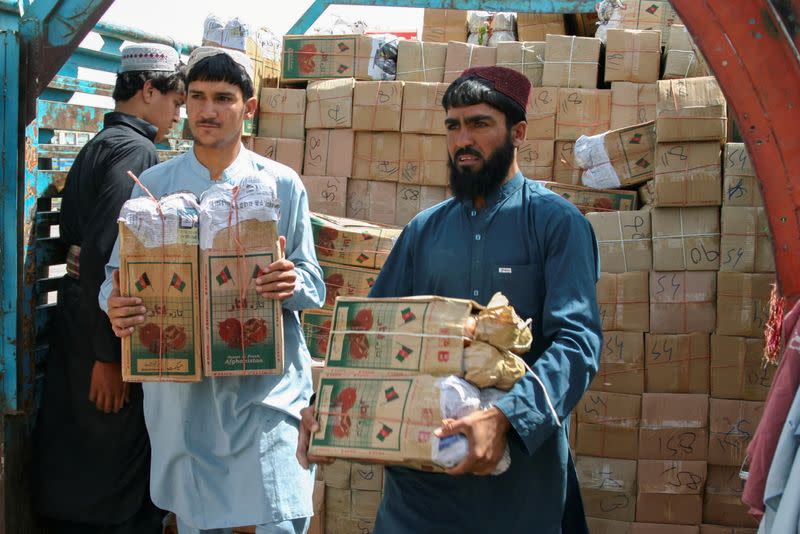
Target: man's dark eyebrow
<point>472,119</point>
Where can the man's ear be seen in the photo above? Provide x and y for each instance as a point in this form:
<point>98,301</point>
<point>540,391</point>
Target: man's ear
<point>250,107</point>
<point>147,91</point>
<point>518,133</point>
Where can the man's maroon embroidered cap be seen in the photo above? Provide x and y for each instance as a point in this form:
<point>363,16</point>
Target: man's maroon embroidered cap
<point>509,82</point>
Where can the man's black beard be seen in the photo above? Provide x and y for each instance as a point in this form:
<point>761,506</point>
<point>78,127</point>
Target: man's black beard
<point>468,184</point>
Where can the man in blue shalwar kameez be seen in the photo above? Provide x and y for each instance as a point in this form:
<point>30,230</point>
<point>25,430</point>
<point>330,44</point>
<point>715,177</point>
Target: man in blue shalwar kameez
<point>500,232</point>
<point>223,449</point>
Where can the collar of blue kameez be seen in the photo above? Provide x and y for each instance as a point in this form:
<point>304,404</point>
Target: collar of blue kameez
<point>502,192</point>
<point>239,166</point>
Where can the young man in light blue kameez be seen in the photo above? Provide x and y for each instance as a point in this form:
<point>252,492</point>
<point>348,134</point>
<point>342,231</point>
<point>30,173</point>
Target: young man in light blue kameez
<point>224,448</point>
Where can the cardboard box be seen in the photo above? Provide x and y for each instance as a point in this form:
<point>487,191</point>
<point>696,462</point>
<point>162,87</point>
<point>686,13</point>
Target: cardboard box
<point>677,363</point>
<point>319,57</point>
<point>649,15</point>
<point>733,423</point>
<point>741,187</point>
<point>316,331</point>
<point>608,526</point>
<point>376,156</point>
<point>397,430</point>
<point>461,56</point>
<point>691,109</point>
<point>719,529</point>
<point>688,174</point>
<point>326,194</point>
<point>621,364</point>
<point>682,59</point>
<point>536,26</point>
<point>286,151</point>
<point>565,169</point>
<point>738,370</point>
<point>682,302</point>
<point>242,331</point>
<point>632,103</point>
<point>346,281</point>
<point>674,427</point>
<point>330,104</point>
<point>418,61</point>
<point>743,304</point>
<point>316,372</point>
<point>633,56</point>
<point>317,525</point>
<point>444,25</point>
<point>618,157</point>
<point>329,153</point>
<point>589,200</point>
<point>282,113</point>
<point>686,238</point>
<point>571,61</point>
<point>535,159</point>
<point>412,199</point>
<point>371,201</point>
<point>377,105</point>
<point>746,244</point>
<point>608,487</point>
<point>423,160</point>
<point>647,193</point>
<point>337,502</point>
<point>338,474</point>
<point>608,425</point>
<point>364,503</point>
<point>723,499</point>
<point>624,301</point>
<point>352,242</point>
<point>582,112</point>
<point>366,477</point>
<point>165,275</point>
<point>542,113</point>
<point>418,338</point>
<point>524,57</point>
<point>657,528</point>
<point>422,108</point>
<point>624,239</point>
<point>670,491</point>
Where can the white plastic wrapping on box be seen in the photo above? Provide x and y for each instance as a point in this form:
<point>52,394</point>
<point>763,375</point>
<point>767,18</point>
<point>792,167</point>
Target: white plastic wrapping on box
<point>478,24</point>
<point>591,156</point>
<point>257,199</point>
<point>609,14</point>
<point>233,33</point>
<point>175,223</point>
<point>383,59</point>
<point>503,24</point>
<point>458,399</point>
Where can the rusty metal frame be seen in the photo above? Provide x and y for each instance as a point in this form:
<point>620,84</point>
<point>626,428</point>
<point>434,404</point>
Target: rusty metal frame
<point>756,63</point>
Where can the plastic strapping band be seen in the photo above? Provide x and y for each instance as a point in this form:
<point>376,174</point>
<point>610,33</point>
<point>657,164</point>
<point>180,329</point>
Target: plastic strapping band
<point>424,70</point>
<point>683,240</point>
<point>622,241</point>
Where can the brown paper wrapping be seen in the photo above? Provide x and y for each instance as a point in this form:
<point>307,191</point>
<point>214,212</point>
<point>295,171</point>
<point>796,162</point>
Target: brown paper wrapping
<point>677,363</point>
<point>524,57</point>
<point>377,105</point>
<point>571,61</point>
<point>461,56</point>
<point>624,239</point>
<point>371,201</point>
<point>621,364</point>
<point>740,186</point>
<point>541,113</point>
<point>608,487</point>
<point>412,199</point>
<point>286,151</point>
<point>746,244</point>
<point>723,499</point>
<point>565,170</point>
<point>682,302</point>
<point>686,239</point>
<point>608,425</point>
<point>423,160</point>
<point>633,55</point>
<point>743,303</point>
<point>376,156</point>
<point>688,174</point>
<point>282,113</point>
<point>624,300</point>
<point>422,108</point>
<point>733,423</point>
<point>330,104</point>
<point>632,103</point>
<point>671,491</point>
<point>444,25</point>
<point>329,153</point>
<point>674,427</point>
<point>420,61</point>
<point>535,159</point>
<point>682,59</point>
<point>536,26</point>
<point>589,200</point>
<point>738,370</point>
<point>582,112</point>
<point>691,109</point>
<point>326,194</point>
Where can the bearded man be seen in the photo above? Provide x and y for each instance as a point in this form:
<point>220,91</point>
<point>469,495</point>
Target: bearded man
<point>500,232</point>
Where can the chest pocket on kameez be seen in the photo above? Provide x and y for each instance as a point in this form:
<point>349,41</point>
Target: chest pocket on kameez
<point>520,283</point>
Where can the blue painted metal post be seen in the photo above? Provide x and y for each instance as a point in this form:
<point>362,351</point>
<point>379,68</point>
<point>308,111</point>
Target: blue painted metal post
<point>317,8</point>
<point>9,272</point>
